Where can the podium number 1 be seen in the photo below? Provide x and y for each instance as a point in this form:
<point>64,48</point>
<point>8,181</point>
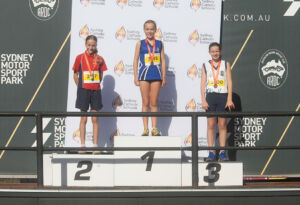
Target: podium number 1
<point>150,156</point>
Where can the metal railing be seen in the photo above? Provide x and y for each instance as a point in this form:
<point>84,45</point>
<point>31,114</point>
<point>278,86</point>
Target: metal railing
<point>40,149</point>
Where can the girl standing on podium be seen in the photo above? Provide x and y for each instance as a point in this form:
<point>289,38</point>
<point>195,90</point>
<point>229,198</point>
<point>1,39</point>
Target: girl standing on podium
<point>216,94</point>
<point>88,73</point>
<point>149,56</point>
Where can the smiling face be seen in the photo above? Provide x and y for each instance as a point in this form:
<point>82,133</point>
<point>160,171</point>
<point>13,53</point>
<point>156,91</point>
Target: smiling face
<point>150,29</point>
<point>215,53</point>
<point>91,46</point>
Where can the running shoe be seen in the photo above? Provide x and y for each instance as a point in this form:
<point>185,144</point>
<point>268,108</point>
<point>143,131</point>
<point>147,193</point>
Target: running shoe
<point>96,151</point>
<point>155,132</point>
<point>223,157</point>
<point>145,132</point>
<point>82,151</point>
<point>211,157</point>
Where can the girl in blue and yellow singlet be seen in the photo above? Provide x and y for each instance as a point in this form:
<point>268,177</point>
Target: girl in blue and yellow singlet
<point>151,74</point>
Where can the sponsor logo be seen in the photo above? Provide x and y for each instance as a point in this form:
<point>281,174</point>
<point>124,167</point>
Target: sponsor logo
<point>84,32</point>
<point>121,3</point>
<point>293,8</point>
<point>43,9</point>
<point>14,68</point>
<point>119,68</point>
<point>117,103</point>
<point>194,38</point>
<point>85,3</point>
<point>195,4</point>
<point>188,140</point>
<point>158,4</point>
<point>247,131</point>
<point>192,72</point>
<point>120,34</point>
<point>158,35</point>
<point>193,106</point>
<point>273,69</point>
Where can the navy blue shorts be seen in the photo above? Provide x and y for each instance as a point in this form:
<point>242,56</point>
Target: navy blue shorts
<point>87,98</point>
<point>216,102</point>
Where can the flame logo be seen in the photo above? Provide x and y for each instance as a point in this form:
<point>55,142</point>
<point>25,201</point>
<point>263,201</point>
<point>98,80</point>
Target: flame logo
<point>117,103</point>
<point>158,3</point>
<point>84,32</point>
<point>195,4</point>
<point>188,140</point>
<point>120,34</point>
<point>85,2</point>
<point>194,38</point>
<point>158,34</point>
<point>121,3</point>
<point>191,106</point>
<point>119,68</point>
<point>76,136</point>
<point>192,72</point>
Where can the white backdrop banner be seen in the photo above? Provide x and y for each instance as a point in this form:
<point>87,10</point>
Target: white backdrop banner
<point>186,29</point>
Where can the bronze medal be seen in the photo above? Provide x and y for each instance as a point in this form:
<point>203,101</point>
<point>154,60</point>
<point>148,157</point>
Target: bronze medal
<point>215,85</point>
<point>152,63</point>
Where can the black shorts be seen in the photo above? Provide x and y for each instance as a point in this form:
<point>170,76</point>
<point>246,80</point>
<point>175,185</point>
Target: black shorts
<point>216,102</point>
<point>86,97</point>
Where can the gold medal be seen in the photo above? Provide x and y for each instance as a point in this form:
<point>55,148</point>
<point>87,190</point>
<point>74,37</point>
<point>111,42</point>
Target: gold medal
<point>152,63</point>
<point>151,55</point>
<point>215,85</point>
<point>215,77</point>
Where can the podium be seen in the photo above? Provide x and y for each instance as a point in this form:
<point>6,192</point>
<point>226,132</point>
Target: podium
<point>137,168</point>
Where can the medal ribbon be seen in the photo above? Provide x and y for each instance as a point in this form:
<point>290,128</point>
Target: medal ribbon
<point>88,63</point>
<point>149,51</point>
<point>213,71</point>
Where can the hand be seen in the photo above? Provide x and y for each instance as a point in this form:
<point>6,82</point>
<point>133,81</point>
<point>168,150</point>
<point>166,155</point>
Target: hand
<point>229,105</point>
<point>163,82</point>
<point>205,105</point>
<point>136,82</point>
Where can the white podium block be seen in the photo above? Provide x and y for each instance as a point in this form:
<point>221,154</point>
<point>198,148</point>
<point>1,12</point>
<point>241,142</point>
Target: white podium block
<point>147,168</point>
<point>214,174</point>
<point>81,170</point>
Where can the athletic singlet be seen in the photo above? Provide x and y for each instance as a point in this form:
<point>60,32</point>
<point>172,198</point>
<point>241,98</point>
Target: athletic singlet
<point>146,70</point>
<point>222,81</point>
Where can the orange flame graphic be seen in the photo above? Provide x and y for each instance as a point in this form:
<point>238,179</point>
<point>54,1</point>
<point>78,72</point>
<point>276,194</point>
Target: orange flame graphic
<point>118,101</point>
<point>192,72</point>
<point>194,37</point>
<point>195,4</point>
<point>122,3</point>
<point>85,2</point>
<point>188,140</point>
<point>76,136</point>
<point>191,106</point>
<point>84,32</point>
<point>158,34</point>
<point>119,68</point>
<point>120,35</point>
<point>158,3</point>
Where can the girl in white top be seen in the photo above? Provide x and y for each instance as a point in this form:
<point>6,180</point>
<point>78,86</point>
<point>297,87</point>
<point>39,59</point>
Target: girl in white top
<point>216,94</point>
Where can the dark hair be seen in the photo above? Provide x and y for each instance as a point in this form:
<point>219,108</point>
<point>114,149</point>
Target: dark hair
<point>91,37</point>
<point>214,44</point>
<point>150,21</point>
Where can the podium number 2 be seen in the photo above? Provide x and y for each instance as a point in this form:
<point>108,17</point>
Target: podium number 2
<point>213,172</point>
<point>78,174</point>
<point>150,156</point>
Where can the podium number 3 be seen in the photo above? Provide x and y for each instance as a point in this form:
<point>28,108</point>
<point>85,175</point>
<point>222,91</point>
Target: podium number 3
<point>150,156</point>
<point>78,174</point>
<point>213,170</point>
